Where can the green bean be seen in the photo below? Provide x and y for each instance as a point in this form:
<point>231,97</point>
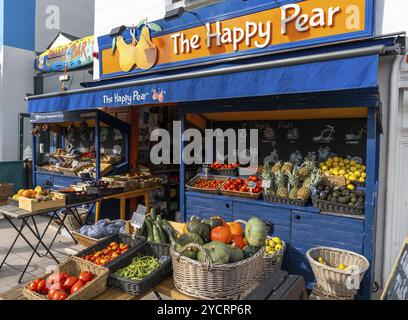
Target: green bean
<point>140,268</point>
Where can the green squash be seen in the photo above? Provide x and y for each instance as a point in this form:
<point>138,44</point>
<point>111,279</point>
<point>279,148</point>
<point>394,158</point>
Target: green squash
<point>218,252</point>
<point>214,222</point>
<point>186,239</point>
<point>256,232</point>
<point>249,251</point>
<point>236,255</point>
<point>202,229</point>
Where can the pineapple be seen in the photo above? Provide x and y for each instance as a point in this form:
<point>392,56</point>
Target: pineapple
<point>306,169</point>
<point>281,188</point>
<point>266,171</point>
<point>305,192</point>
<point>287,167</point>
<point>277,167</point>
<point>294,182</point>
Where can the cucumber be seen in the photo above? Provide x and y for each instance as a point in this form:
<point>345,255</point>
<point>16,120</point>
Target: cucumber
<point>153,214</point>
<point>149,229</point>
<point>156,234</point>
<point>163,234</point>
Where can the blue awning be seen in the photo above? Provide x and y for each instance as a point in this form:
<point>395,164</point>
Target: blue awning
<point>341,74</point>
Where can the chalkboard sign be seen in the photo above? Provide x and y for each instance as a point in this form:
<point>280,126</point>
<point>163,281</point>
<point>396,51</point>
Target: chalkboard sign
<point>294,140</point>
<point>397,285</point>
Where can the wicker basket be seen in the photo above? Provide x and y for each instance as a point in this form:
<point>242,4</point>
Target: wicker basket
<point>287,201</point>
<point>73,267</point>
<point>226,172</point>
<point>142,286</point>
<point>248,195</point>
<point>337,207</point>
<point>215,281</point>
<point>190,184</point>
<point>335,282</point>
<point>133,243</point>
<point>272,262</point>
<point>71,222</point>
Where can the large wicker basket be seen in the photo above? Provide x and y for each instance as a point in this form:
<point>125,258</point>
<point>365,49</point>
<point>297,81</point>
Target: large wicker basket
<point>215,281</point>
<point>335,282</point>
<point>272,262</point>
<point>73,267</point>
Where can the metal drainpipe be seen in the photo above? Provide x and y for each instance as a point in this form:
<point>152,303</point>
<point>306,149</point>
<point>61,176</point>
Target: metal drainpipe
<point>390,218</point>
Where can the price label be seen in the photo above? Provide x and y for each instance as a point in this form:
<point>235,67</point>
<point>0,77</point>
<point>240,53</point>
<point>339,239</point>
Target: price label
<point>266,184</point>
<point>139,217</point>
<point>75,164</point>
<point>252,185</point>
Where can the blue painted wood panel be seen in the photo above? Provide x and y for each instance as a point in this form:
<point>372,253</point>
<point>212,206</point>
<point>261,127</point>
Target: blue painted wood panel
<point>205,207</point>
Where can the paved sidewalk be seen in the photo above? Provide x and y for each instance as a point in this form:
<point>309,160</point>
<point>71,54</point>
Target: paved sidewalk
<point>16,261</point>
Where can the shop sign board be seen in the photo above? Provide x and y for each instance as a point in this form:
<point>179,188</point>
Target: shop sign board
<point>292,25</point>
<point>69,56</point>
<point>397,285</point>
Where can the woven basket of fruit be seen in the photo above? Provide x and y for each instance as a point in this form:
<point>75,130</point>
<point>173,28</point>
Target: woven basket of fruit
<point>250,188</point>
<point>76,279</point>
<point>225,169</point>
<point>209,184</point>
<point>108,252</point>
<point>214,261</point>
<point>338,272</point>
<point>141,270</point>
<point>273,257</point>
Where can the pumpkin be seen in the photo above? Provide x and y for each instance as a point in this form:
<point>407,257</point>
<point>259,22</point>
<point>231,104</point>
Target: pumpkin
<point>199,228</point>
<point>222,234</point>
<point>239,242</point>
<point>236,229</point>
<point>249,251</point>
<point>256,232</point>
<point>186,239</point>
<point>214,222</point>
<point>236,255</point>
<point>218,252</point>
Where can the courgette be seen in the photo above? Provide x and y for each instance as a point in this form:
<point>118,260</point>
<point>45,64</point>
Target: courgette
<point>156,234</point>
<point>149,229</point>
<point>163,234</point>
<point>153,214</point>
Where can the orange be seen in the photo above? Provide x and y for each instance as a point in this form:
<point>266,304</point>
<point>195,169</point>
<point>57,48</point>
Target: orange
<point>236,229</point>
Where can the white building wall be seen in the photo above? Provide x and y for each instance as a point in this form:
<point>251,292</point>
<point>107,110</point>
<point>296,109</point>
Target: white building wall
<point>17,81</point>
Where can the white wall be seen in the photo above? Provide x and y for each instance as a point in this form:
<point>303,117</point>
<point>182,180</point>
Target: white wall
<point>18,73</point>
<point>391,16</point>
<point>110,14</point>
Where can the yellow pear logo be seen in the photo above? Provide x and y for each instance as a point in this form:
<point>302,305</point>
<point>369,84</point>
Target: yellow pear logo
<point>141,54</point>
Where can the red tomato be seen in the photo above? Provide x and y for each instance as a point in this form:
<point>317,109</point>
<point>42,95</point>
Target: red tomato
<point>69,283</point>
<point>54,288</point>
<point>33,287</point>
<point>77,286</point>
<point>59,295</point>
<point>56,278</point>
<point>42,287</point>
<point>239,241</point>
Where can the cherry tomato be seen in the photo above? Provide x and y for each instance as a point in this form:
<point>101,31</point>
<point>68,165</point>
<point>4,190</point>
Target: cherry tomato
<point>42,287</point>
<point>33,286</point>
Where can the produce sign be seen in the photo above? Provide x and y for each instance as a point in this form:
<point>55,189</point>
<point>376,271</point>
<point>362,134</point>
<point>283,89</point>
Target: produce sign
<point>59,286</point>
<point>111,252</point>
<point>223,242</point>
<point>140,268</point>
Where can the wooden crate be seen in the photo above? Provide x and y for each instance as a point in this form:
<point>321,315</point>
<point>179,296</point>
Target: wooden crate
<point>33,206</point>
<point>6,191</point>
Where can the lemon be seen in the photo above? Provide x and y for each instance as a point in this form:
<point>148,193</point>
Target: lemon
<point>324,168</point>
<point>364,175</point>
<point>353,169</point>
<point>277,240</point>
<point>336,159</point>
<point>335,172</point>
<point>268,248</point>
<point>342,172</point>
<point>348,181</point>
<point>357,173</point>
<point>271,243</point>
<point>363,168</point>
<point>358,166</point>
<point>353,163</point>
<point>361,179</point>
<point>266,242</point>
<point>353,178</point>
<point>346,161</point>
<point>351,187</point>
<point>278,247</point>
<point>342,266</point>
<point>321,260</point>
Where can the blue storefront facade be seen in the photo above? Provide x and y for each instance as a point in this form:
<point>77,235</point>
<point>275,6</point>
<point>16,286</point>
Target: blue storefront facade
<point>317,56</point>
